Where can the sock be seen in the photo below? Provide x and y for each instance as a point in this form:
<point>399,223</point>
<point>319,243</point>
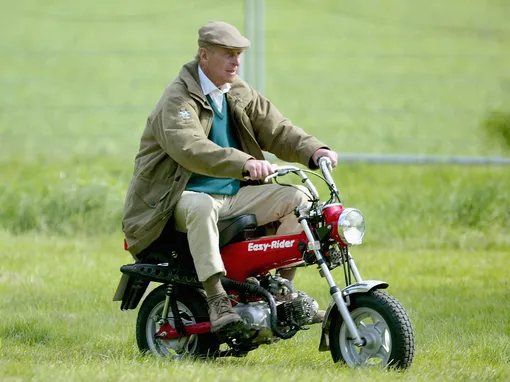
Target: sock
<point>213,286</point>
<point>289,274</point>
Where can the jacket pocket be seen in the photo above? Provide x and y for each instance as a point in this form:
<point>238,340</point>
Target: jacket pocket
<point>151,193</point>
<point>148,226</point>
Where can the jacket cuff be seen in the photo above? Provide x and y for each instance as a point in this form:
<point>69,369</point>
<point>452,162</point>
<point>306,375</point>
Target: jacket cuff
<point>308,156</point>
<point>243,174</point>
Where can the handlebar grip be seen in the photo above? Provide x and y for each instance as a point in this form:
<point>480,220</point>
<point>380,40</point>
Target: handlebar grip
<point>327,161</point>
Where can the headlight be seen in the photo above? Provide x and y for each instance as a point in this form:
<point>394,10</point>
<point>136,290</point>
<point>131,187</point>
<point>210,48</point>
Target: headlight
<point>351,226</point>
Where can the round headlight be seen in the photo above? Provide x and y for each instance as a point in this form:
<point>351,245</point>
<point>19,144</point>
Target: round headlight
<point>351,226</point>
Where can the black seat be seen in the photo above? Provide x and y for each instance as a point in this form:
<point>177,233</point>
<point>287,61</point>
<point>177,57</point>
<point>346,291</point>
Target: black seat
<point>232,230</point>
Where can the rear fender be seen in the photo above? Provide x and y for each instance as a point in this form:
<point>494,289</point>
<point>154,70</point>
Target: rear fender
<point>130,291</point>
<point>357,288</point>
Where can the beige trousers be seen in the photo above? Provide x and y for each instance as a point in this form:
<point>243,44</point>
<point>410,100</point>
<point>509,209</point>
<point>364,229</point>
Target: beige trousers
<point>198,213</point>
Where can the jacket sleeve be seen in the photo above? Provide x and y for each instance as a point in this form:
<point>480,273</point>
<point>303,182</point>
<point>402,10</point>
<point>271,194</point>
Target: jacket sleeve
<point>278,135</point>
<point>179,132</point>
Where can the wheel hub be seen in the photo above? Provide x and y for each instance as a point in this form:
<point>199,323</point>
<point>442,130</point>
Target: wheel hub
<point>372,338</point>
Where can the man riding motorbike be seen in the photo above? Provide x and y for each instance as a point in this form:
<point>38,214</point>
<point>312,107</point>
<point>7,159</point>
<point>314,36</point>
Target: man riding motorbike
<point>199,154</point>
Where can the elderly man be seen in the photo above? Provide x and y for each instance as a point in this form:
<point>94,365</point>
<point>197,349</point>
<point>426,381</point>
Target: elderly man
<point>205,134</point>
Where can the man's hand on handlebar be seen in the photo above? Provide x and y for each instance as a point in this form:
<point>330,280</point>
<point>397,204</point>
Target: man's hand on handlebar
<point>333,156</point>
<point>255,169</point>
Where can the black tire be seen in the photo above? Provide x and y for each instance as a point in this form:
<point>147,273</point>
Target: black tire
<point>390,325</point>
<point>192,307</point>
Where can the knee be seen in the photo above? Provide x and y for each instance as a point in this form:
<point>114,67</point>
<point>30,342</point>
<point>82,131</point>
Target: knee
<point>198,204</point>
<point>300,196</point>
<point>295,196</point>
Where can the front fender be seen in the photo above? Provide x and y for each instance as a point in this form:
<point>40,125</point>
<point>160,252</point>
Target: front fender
<point>357,288</point>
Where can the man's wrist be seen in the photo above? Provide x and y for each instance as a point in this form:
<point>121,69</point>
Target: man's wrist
<point>317,154</point>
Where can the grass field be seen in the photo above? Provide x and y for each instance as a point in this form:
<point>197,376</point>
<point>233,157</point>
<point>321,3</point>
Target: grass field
<point>394,76</point>
<point>58,321</point>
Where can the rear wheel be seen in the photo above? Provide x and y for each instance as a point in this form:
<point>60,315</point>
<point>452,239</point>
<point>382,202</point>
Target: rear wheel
<point>385,325</point>
<point>192,308</point>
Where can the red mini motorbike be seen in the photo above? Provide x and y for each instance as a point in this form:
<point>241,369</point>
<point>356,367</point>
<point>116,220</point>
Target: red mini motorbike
<point>363,326</point>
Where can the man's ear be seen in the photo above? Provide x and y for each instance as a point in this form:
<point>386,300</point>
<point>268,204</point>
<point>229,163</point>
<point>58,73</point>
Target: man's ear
<point>204,54</point>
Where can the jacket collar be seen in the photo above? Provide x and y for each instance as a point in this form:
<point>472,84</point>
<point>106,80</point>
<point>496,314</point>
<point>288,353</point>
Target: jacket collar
<point>189,75</point>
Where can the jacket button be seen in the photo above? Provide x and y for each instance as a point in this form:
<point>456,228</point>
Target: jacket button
<point>153,204</point>
<point>177,178</point>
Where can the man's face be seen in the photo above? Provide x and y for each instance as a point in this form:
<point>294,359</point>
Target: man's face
<point>220,64</point>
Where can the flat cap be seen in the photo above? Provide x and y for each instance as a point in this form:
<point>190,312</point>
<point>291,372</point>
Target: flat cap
<point>222,34</point>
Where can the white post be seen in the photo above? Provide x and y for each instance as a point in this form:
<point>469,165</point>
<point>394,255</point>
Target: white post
<point>261,49</point>
<point>248,55</point>
<point>252,68</point>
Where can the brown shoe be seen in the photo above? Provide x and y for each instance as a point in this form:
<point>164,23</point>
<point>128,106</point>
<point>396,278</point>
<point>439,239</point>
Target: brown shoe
<point>222,316</point>
<point>319,317</point>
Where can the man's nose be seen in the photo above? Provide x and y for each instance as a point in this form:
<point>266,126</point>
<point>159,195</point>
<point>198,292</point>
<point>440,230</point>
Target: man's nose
<point>236,60</point>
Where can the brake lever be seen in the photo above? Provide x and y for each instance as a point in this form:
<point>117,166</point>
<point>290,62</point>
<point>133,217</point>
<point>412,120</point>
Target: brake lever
<point>273,175</point>
<point>281,172</point>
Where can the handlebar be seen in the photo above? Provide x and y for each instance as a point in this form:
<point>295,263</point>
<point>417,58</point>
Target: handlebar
<point>326,168</point>
<point>284,170</point>
<point>324,164</point>
<point>281,171</point>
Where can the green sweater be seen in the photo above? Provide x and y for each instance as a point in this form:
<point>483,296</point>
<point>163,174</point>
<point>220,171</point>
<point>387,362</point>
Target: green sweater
<point>222,135</point>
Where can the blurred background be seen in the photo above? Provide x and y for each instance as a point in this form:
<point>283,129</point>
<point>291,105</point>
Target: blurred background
<point>78,80</point>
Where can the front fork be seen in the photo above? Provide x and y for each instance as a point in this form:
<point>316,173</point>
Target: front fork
<point>335,292</point>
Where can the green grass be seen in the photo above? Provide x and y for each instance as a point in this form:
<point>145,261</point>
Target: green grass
<point>405,206</point>
<point>59,323</point>
<point>78,80</point>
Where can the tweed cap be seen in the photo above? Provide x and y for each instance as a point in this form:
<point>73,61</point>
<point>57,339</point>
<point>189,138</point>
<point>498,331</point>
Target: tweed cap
<point>222,34</point>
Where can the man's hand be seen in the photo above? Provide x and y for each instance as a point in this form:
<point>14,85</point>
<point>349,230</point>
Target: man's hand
<point>258,169</point>
<point>325,153</point>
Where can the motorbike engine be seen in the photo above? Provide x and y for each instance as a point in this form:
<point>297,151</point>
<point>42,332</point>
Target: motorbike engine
<point>257,322</point>
<point>298,309</point>
<point>292,308</point>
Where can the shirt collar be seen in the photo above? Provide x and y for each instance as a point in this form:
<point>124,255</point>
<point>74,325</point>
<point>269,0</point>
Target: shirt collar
<point>207,86</point>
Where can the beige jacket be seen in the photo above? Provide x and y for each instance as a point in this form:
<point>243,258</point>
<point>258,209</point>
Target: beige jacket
<point>174,144</point>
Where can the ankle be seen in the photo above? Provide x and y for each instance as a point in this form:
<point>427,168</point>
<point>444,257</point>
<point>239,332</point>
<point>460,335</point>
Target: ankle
<point>213,287</point>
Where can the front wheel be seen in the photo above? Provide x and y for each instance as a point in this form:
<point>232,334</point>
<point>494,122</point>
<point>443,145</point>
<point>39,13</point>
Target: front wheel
<point>383,322</point>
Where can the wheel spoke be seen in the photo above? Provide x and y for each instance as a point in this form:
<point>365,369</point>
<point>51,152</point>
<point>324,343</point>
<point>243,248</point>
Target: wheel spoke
<point>380,326</point>
<point>382,353</point>
<point>385,346</point>
<point>364,356</point>
<point>187,322</point>
<point>385,338</point>
<point>189,342</point>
